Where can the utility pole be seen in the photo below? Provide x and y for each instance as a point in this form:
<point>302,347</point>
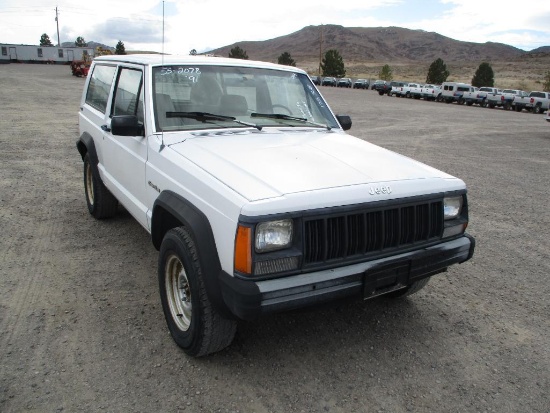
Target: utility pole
<point>320,50</point>
<point>57,22</point>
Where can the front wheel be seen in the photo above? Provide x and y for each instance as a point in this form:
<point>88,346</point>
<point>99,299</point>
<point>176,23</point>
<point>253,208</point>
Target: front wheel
<point>537,109</point>
<point>194,323</point>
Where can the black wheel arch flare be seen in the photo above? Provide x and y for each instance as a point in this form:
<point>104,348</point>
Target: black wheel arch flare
<point>172,210</point>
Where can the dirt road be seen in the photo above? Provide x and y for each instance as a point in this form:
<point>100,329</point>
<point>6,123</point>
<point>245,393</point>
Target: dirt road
<point>82,329</point>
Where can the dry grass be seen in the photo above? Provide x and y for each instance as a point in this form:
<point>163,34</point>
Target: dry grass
<point>526,73</point>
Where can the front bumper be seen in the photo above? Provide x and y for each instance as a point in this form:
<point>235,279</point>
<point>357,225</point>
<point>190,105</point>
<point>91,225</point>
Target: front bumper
<point>249,299</point>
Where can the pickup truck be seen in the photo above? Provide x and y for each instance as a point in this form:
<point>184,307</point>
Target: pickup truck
<point>505,98</point>
<point>431,92</point>
<point>536,102</point>
<point>218,160</point>
<point>398,89</point>
<point>474,96</point>
<point>414,90</point>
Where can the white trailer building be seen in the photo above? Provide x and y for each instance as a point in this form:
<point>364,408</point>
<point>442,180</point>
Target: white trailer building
<point>22,53</point>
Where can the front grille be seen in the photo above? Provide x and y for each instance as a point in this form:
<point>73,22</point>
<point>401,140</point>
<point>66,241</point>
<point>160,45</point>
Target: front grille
<point>363,232</point>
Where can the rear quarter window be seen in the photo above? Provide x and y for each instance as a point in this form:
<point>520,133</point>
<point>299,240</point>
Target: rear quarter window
<point>100,86</point>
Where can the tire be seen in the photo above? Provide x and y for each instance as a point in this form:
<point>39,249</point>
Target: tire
<point>538,109</point>
<point>460,101</point>
<point>483,103</point>
<point>381,93</point>
<point>506,106</point>
<point>101,203</point>
<point>518,108</point>
<point>194,323</point>
<point>491,105</point>
<point>410,290</point>
<point>469,103</point>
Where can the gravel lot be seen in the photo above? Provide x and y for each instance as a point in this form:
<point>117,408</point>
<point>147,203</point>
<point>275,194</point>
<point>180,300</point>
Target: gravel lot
<point>82,329</point>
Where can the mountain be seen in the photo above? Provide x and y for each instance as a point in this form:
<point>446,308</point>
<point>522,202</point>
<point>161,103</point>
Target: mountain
<point>360,44</point>
<point>90,44</point>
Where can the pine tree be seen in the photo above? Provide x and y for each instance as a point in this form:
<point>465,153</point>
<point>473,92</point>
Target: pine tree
<point>333,64</point>
<point>437,73</point>
<point>45,40</point>
<point>546,82</point>
<point>238,53</point>
<point>286,59</point>
<point>385,73</point>
<point>120,49</point>
<point>484,76</point>
<point>80,42</point>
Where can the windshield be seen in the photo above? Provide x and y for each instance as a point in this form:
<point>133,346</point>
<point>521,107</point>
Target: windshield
<point>206,97</point>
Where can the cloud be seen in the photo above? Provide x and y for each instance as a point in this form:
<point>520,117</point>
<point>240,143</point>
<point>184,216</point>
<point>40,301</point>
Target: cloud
<point>132,30</point>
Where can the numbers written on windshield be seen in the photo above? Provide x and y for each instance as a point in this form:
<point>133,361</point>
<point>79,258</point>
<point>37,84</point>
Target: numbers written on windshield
<point>192,73</point>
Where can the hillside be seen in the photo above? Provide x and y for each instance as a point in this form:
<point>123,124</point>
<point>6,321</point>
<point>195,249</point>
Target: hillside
<point>357,44</point>
<point>409,53</point>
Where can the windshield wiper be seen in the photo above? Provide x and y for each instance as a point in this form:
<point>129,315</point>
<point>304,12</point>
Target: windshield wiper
<point>205,116</point>
<point>288,117</point>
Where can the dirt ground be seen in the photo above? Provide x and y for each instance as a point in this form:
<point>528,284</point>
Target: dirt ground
<point>82,329</point>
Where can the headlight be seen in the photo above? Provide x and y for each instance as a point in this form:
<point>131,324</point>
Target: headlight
<point>273,235</point>
<point>452,207</point>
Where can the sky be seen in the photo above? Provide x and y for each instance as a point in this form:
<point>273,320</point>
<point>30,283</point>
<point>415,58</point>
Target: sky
<point>205,25</point>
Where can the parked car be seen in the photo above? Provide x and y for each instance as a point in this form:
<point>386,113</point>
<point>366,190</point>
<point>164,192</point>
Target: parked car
<point>344,82</point>
<point>329,81</point>
<point>382,87</point>
<point>204,153</point>
<point>373,84</point>
<point>316,80</point>
<point>361,84</point>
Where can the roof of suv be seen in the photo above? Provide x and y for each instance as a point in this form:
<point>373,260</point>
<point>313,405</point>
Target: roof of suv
<point>158,59</point>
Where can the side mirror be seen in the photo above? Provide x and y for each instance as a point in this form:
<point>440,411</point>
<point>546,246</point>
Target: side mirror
<point>345,121</point>
<point>126,125</point>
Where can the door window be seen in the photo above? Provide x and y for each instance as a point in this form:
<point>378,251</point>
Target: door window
<point>100,86</point>
<point>128,94</point>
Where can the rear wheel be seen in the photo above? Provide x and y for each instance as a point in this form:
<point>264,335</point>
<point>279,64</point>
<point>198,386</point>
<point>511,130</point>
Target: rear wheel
<point>194,323</point>
<point>101,203</point>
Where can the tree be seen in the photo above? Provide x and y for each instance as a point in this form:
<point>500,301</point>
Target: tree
<point>546,82</point>
<point>45,40</point>
<point>238,53</point>
<point>484,76</point>
<point>120,49</point>
<point>437,73</point>
<point>193,52</point>
<point>385,73</point>
<point>80,42</point>
<point>333,64</point>
<point>286,59</point>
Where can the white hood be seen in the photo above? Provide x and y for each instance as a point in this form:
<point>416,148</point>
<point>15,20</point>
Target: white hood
<point>268,164</point>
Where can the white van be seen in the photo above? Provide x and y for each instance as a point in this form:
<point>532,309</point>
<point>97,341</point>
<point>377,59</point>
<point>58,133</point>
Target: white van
<point>453,91</point>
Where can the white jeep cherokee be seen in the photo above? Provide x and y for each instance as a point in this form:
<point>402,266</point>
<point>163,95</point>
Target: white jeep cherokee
<point>256,198</point>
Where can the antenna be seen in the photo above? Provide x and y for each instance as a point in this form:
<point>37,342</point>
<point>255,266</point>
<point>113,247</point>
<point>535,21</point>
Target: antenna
<point>162,131</point>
